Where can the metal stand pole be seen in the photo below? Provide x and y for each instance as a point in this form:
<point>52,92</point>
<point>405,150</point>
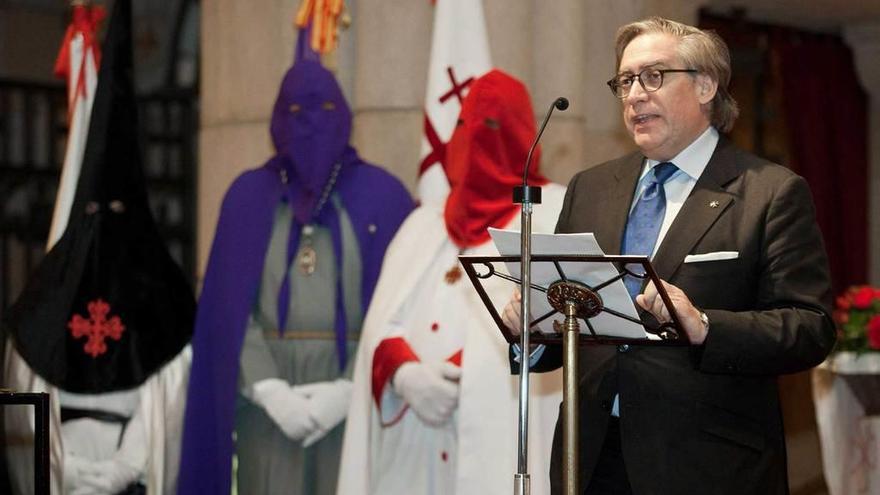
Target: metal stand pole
<point>527,195</point>
<point>570,400</point>
<point>521,479</point>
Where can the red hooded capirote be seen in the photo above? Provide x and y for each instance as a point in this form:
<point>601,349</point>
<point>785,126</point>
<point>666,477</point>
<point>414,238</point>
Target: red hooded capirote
<point>486,155</point>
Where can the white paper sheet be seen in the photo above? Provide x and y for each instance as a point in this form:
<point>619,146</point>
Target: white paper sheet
<point>614,296</point>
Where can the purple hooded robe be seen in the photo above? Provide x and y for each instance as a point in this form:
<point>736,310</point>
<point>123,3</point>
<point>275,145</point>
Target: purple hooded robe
<point>311,125</point>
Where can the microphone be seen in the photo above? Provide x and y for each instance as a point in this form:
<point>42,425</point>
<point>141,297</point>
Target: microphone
<point>561,103</point>
<point>525,192</point>
<point>526,196</point>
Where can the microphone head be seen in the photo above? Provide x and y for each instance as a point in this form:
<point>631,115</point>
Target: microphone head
<point>561,103</point>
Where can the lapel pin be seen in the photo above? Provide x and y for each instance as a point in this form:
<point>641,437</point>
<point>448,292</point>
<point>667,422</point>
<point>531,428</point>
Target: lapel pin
<point>713,204</point>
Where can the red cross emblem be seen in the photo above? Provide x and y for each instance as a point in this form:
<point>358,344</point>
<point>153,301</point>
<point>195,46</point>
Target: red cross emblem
<point>457,89</point>
<point>438,149</point>
<point>96,328</point>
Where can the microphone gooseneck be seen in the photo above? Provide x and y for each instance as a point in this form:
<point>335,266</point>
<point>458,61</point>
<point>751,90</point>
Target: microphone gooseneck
<point>560,104</point>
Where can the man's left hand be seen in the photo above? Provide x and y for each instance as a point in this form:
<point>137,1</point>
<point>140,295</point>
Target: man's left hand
<point>688,314</point>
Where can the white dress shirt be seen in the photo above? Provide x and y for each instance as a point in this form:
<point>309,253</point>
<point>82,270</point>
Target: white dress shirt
<point>690,162</point>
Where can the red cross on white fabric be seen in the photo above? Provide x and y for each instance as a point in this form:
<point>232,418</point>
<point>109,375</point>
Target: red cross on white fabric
<point>438,148</point>
<point>96,328</point>
<point>457,89</point>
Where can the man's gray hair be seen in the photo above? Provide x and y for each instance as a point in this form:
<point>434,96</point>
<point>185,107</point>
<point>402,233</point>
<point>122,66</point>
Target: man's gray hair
<point>702,50</point>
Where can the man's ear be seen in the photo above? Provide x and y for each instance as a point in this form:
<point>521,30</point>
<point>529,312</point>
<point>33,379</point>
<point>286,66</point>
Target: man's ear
<point>706,88</point>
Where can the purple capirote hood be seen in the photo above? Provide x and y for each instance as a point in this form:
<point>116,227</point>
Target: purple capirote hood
<point>376,202</point>
<point>311,126</point>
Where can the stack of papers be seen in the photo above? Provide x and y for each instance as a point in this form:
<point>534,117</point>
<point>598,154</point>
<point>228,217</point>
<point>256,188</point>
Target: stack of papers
<point>592,274</point>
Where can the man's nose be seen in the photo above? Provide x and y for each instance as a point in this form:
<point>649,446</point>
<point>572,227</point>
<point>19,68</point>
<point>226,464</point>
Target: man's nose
<point>636,93</point>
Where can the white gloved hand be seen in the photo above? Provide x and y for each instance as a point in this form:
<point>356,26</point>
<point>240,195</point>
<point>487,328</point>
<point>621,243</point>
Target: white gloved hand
<point>431,389</point>
<point>104,477</point>
<point>286,405</point>
<point>327,406</point>
<point>73,471</point>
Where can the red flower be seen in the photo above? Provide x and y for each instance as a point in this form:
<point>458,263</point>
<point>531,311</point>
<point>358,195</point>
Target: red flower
<point>857,317</point>
<point>874,332</point>
<point>863,298</point>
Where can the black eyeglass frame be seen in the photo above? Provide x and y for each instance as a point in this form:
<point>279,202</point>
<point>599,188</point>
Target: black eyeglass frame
<point>613,82</point>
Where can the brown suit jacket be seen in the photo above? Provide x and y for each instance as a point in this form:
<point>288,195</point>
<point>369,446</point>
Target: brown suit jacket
<point>706,420</point>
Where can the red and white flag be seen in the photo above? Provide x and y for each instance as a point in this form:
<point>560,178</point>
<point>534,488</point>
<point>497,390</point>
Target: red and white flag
<point>77,62</point>
<point>459,54</point>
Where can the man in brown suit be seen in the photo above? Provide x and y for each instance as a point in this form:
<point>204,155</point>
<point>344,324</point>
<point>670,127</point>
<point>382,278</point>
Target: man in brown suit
<point>735,241</point>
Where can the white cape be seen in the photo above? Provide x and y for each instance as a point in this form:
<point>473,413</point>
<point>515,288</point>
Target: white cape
<point>157,448</point>
<point>487,417</point>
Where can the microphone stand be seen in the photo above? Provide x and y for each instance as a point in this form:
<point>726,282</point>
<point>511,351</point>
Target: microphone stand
<point>527,196</point>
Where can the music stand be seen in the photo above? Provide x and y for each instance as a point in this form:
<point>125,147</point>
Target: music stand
<point>40,401</point>
<point>576,300</point>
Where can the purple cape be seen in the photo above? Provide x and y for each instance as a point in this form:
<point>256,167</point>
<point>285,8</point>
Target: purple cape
<point>231,284</point>
<point>310,127</point>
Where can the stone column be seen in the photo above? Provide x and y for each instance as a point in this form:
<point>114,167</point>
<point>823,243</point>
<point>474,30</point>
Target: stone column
<point>604,134</point>
<point>392,48</point>
<point>511,30</point>
<point>246,47</point>
<point>864,39</point>
<point>558,70</point>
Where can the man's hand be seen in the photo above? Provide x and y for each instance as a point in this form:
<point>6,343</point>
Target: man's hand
<point>688,314</point>
<point>511,314</point>
<point>431,389</point>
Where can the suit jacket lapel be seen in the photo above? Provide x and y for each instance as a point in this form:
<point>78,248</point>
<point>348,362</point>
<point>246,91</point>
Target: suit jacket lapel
<point>612,222</point>
<point>706,203</point>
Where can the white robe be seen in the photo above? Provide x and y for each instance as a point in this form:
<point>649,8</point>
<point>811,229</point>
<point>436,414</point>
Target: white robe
<point>151,441</point>
<point>476,453</point>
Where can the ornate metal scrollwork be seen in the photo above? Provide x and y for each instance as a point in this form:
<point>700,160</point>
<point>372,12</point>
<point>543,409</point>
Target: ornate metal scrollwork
<point>587,302</point>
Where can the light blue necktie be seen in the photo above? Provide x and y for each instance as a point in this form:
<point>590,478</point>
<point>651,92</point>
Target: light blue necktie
<point>645,220</point>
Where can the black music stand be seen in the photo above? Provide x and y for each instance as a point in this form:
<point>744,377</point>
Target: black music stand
<point>587,298</point>
<point>577,301</point>
<point>40,401</point>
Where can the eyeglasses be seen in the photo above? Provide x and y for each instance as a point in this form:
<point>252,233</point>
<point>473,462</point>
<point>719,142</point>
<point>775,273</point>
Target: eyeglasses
<point>650,79</point>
